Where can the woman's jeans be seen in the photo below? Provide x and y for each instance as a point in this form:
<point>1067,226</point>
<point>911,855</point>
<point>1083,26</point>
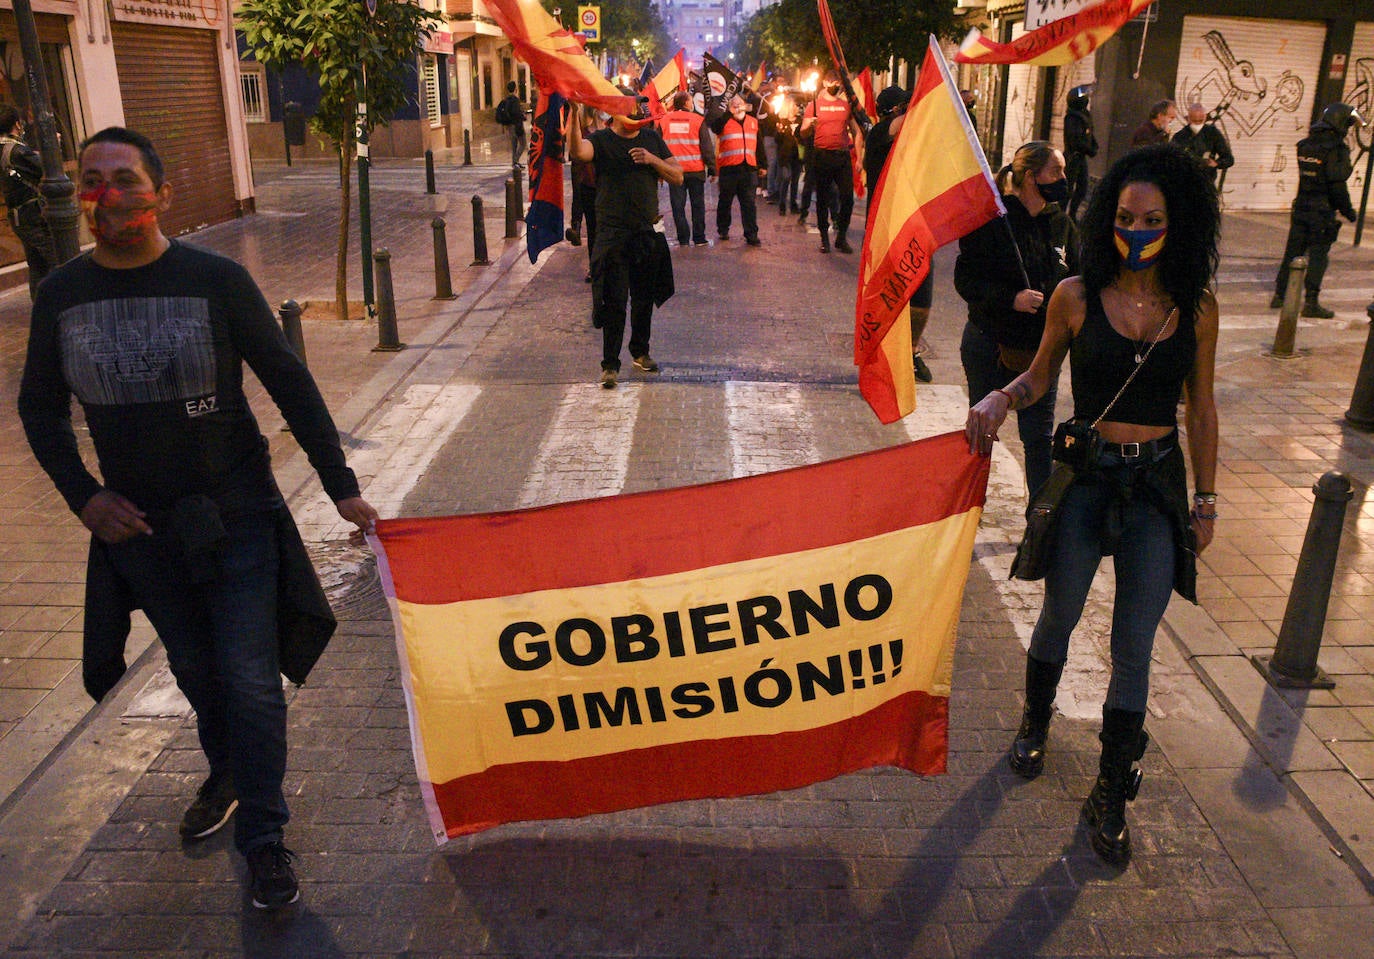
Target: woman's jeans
<point>1035,423</point>
<point>1143,557</point>
<point>219,627</point>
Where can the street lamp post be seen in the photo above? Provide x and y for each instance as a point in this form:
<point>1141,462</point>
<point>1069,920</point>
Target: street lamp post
<point>61,210</point>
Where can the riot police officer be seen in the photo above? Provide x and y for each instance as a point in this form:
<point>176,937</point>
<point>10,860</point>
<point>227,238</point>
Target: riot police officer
<point>1323,168</point>
<point>1079,144</point>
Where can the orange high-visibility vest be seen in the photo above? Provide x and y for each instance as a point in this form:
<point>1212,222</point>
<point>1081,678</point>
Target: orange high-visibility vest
<point>739,142</point>
<point>682,132</point>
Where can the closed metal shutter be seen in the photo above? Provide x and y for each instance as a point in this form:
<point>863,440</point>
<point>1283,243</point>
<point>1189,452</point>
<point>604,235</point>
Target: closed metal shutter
<point>169,80</point>
<point>1259,75</point>
<point>1359,93</point>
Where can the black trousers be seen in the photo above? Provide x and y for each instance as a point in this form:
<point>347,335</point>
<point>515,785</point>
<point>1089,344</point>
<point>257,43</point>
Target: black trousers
<point>1311,233</point>
<point>834,179</point>
<point>738,181</point>
<point>618,279</point>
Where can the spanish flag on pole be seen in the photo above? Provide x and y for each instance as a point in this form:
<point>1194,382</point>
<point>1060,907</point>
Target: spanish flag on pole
<point>557,57</point>
<point>935,187</point>
<point>668,81</point>
<point>1057,43</point>
<point>747,643</point>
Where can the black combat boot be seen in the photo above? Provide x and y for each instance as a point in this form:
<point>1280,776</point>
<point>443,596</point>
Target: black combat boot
<point>1314,310</point>
<point>1123,742</point>
<point>1027,756</point>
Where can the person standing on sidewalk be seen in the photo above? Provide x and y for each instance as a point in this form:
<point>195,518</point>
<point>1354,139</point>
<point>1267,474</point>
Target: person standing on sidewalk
<point>1005,271</point>
<point>1204,141</point>
<point>1323,168</point>
<point>1155,128</point>
<point>737,167</point>
<point>830,117</point>
<point>510,113</point>
<point>23,171</point>
<point>631,263</point>
<point>685,132</point>
<point>151,335</point>
<point>1080,143</point>
<point>1139,328</point>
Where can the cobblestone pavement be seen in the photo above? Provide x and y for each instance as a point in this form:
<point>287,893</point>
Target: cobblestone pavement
<point>1252,828</point>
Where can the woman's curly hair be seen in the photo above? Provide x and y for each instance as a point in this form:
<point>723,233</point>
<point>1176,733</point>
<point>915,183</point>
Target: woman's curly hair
<point>1188,262</point>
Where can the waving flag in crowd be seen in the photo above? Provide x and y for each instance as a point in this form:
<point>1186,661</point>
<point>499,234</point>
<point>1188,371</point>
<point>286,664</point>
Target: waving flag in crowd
<point>722,83</point>
<point>935,187</point>
<point>1057,43</point>
<point>556,55</point>
<point>645,73</point>
<point>759,78</point>
<point>668,81</point>
<point>544,218</point>
<point>756,643</point>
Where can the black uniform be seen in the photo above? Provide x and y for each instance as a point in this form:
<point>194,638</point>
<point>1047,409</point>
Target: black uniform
<point>22,173</point>
<point>1079,144</point>
<point>1323,168</point>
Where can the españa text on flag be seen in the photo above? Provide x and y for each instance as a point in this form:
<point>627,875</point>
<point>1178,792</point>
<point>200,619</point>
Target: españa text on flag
<point>1058,42</point>
<point>935,187</point>
<point>751,643</point>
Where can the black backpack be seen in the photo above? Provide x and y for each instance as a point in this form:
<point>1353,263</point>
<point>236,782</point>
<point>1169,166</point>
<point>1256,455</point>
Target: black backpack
<point>505,112</point>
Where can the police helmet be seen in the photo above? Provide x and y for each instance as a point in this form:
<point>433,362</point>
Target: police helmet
<point>1339,116</point>
<point>1078,96</point>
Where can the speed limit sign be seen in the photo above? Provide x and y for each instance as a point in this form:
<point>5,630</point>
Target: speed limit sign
<point>589,20</point>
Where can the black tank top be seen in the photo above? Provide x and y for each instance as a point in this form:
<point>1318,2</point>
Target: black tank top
<point>1100,359</point>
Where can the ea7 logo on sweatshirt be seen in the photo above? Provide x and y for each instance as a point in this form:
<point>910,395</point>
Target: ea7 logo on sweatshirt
<point>201,406</point>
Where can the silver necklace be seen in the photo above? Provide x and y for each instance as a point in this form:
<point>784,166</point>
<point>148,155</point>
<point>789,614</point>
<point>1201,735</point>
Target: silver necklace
<point>1140,351</point>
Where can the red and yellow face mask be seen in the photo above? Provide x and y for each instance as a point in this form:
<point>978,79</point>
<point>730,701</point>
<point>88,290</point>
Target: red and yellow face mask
<point>120,217</point>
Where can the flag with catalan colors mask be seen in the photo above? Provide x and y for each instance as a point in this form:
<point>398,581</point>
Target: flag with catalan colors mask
<point>756,643</point>
<point>556,56</point>
<point>935,187</point>
<point>1057,43</point>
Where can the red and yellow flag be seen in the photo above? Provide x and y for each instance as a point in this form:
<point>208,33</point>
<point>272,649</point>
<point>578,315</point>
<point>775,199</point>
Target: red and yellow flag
<point>667,82</point>
<point>557,57</point>
<point>1055,44</point>
<point>935,187</point>
<point>753,643</point>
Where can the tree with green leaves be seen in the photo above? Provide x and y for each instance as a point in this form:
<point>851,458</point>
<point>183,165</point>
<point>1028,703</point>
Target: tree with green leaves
<point>339,43</point>
<point>629,28</point>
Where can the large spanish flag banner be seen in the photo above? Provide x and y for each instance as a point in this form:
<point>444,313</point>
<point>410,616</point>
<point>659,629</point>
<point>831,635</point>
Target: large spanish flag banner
<point>934,188</point>
<point>668,82</point>
<point>721,640</point>
<point>557,56</point>
<point>1058,42</point>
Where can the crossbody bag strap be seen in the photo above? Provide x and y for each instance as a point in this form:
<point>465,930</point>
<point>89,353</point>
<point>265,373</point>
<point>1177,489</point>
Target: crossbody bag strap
<point>1155,342</point>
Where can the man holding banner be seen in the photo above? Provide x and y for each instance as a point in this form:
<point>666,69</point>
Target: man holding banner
<point>738,166</point>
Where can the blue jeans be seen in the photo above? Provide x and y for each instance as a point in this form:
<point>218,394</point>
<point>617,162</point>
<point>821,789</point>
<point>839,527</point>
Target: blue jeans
<point>693,190</point>
<point>1143,558</point>
<point>221,642</point>
<point>1035,423</point>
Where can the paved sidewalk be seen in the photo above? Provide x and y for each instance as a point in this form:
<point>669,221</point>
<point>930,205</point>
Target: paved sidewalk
<point>1252,827</point>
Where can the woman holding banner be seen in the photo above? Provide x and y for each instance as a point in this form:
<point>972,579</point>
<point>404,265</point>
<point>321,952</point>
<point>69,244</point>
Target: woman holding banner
<point>1139,327</point>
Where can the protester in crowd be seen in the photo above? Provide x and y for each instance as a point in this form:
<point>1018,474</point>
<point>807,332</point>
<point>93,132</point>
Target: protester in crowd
<point>768,143</point>
<point>685,132</point>
<point>151,336</point>
<point>830,120</point>
<point>891,106</point>
<point>1080,143</point>
<point>510,113</point>
<point>1006,270</point>
<point>1139,327</point>
<point>1155,128</point>
<point>737,168</point>
<point>23,172</point>
<point>1205,141</point>
<point>789,158</point>
<point>631,263</point>
<point>1323,168</point>
<point>583,177</point>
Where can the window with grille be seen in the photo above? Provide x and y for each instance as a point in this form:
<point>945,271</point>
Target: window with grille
<point>430,72</point>
<point>251,82</point>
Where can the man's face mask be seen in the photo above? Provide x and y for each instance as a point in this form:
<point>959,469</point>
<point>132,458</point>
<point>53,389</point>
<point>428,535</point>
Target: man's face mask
<point>1140,248</point>
<point>120,217</point>
<point>833,89</point>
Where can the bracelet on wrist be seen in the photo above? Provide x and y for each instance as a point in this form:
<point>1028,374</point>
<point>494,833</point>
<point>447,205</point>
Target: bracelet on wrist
<point>1209,498</point>
<point>1211,517</point>
<point>1011,400</point>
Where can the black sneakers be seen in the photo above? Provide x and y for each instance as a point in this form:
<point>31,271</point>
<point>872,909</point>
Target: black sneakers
<point>215,803</point>
<point>271,877</point>
<point>922,371</point>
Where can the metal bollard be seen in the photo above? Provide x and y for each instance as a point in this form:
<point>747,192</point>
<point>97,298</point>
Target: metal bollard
<point>429,173</point>
<point>387,339</point>
<point>479,233</point>
<point>290,313</point>
<point>1294,663</point>
<point>1287,334</point>
<point>512,214</point>
<point>467,148</point>
<point>443,283</point>
<point>1361,412</point>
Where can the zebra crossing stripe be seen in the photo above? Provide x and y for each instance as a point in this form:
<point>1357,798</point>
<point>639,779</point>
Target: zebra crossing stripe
<point>586,451</point>
<point>769,426</point>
